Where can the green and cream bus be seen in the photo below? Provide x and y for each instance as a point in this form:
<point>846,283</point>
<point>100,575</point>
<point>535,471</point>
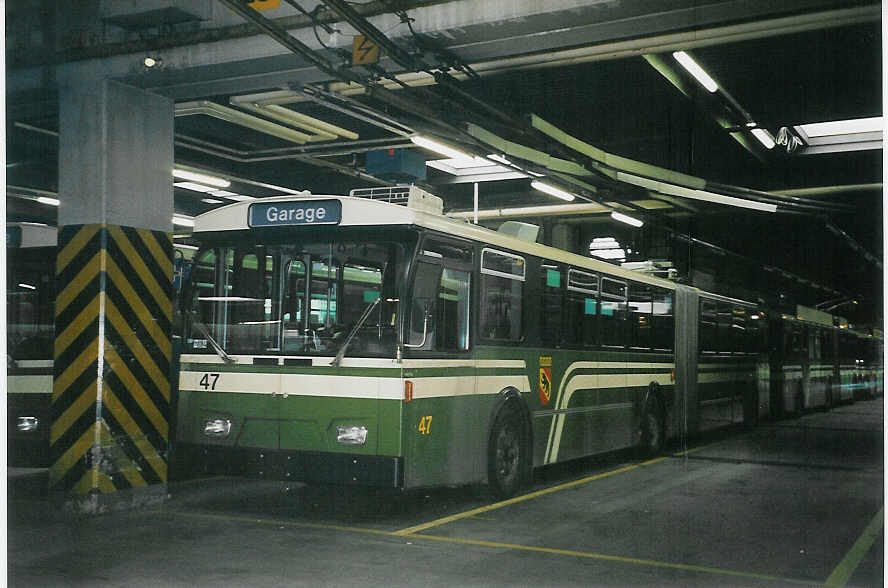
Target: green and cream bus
<point>350,340</point>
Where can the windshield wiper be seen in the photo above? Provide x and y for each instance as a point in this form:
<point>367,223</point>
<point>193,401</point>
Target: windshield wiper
<point>338,359</point>
<point>206,333</point>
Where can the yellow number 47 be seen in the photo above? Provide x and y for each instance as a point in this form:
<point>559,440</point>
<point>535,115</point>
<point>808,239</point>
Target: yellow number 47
<point>425,425</point>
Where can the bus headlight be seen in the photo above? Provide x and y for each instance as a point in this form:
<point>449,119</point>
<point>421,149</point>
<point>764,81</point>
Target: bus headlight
<point>217,428</point>
<point>351,435</point>
<point>27,424</point>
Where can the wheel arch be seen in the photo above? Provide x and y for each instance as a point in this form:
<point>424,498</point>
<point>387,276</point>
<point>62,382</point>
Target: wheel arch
<point>509,398</point>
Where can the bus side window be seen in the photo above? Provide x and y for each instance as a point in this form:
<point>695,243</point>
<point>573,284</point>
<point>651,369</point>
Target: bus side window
<point>708,322</point>
<point>613,313</point>
<point>662,323</point>
<point>550,304</point>
<point>582,307</point>
<point>640,316</point>
<point>502,291</point>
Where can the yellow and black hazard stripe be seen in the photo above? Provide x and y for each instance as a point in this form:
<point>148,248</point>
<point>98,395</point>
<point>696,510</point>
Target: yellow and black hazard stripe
<point>111,387</point>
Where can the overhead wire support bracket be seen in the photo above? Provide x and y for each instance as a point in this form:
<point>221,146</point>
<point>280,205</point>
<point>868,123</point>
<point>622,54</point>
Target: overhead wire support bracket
<point>283,37</point>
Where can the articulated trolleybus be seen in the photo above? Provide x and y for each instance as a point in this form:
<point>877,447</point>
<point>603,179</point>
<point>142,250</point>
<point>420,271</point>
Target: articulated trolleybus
<point>357,341</point>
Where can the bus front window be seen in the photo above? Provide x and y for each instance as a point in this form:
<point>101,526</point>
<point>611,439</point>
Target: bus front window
<point>296,299</point>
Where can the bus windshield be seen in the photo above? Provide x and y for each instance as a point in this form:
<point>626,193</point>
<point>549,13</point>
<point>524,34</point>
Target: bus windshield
<point>296,299</point>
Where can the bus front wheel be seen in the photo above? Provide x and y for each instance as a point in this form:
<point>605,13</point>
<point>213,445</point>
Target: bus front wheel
<point>505,454</point>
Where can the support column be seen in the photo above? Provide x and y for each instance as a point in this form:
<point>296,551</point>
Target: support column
<point>112,382</point>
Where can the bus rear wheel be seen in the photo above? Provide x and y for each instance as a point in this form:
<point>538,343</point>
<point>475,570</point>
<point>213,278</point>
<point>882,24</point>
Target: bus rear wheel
<point>505,454</point>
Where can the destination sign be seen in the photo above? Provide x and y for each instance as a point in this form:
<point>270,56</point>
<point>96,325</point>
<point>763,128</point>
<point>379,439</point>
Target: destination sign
<point>303,212</point>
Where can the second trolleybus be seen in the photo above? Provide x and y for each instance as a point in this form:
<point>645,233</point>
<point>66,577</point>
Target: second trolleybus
<point>349,340</point>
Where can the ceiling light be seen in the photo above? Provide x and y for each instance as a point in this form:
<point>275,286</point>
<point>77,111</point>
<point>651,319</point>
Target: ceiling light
<point>499,159</point>
<point>151,62</point>
<point>240,197</point>
<point>764,137</point>
<point>552,190</point>
<point>212,201</point>
<point>202,178</point>
<point>28,286</point>
<point>184,246</point>
<point>194,187</point>
<point>617,216</point>
<point>471,162</point>
<point>183,221</point>
<point>695,70</point>
<point>437,147</point>
<point>844,127</point>
<point>48,200</point>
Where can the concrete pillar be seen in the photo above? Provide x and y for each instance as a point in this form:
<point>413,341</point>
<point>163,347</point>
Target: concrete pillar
<point>112,383</point>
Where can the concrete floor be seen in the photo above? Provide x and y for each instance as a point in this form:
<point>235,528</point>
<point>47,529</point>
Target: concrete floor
<point>792,502</point>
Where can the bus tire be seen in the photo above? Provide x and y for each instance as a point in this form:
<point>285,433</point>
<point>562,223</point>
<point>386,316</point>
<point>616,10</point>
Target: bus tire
<point>506,454</point>
<point>651,433</point>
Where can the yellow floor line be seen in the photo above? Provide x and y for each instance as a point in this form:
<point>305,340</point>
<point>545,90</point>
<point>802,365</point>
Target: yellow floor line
<point>497,545</point>
<point>511,501</point>
<point>282,523</point>
<point>848,565</point>
<point>532,495</point>
<point>620,559</point>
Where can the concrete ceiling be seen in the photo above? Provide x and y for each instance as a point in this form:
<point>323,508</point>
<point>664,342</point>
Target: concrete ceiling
<point>594,69</point>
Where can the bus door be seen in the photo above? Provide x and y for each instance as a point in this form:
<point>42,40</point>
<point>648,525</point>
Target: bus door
<point>441,422</point>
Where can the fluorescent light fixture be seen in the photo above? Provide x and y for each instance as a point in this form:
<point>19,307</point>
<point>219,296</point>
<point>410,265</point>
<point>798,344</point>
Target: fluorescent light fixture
<point>183,221</point>
<point>28,286</point>
<point>194,187</point>
<point>844,127</point>
<point>458,164</point>
<point>499,159</point>
<point>202,178</point>
<point>764,137</point>
<point>212,201</point>
<point>695,70</point>
<point>437,147</point>
<point>48,200</point>
<point>184,246</point>
<point>240,197</point>
<point>618,216</point>
<point>552,190</point>
<point>682,192</point>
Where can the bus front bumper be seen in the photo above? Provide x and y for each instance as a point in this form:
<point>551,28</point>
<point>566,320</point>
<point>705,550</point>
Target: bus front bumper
<point>380,471</point>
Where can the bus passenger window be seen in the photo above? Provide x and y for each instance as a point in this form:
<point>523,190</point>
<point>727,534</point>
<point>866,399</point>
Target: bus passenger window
<point>582,308</point>
<point>613,313</point>
<point>708,325</point>
<point>662,320</point>
<point>550,304</point>
<point>502,289</point>
<point>640,316</point>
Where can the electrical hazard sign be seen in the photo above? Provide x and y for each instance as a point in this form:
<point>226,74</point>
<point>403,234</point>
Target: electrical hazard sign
<point>545,380</point>
<point>364,51</point>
